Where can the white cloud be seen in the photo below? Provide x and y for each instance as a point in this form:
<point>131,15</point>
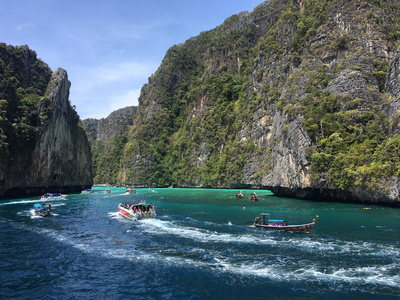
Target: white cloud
<point>127,32</point>
<point>23,26</point>
<point>123,71</point>
<point>109,74</point>
<point>129,98</point>
<point>99,90</point>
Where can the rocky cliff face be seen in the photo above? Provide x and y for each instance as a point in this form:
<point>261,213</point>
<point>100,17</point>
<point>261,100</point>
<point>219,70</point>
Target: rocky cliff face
<point>108,137</point>
<point>347,53</point>
<point>116,124</point>
<point>62,156</point>
<point>48,150</point>
<point>393,89</point>
<point>91,126</point>
<point>299,97</point>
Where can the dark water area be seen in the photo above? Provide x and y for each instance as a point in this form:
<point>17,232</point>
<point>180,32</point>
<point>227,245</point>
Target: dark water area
<point>201,246</point>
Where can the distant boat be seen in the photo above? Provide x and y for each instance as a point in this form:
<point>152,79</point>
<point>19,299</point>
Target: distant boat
<point>53,196</point>
<point>130,191</point>
<point>39,211</point>
<point>267,223</point>
<point>87,191</point>
<point>137,211</point>
<point>108,191</point>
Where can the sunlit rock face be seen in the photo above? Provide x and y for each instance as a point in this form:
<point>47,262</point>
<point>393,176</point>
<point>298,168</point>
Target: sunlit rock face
<point>393,88</point>
<point>62,153</point>
<point>61,158</point>
<point>107,138</point>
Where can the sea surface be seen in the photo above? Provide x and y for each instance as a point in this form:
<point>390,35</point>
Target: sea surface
<point>201,246</point>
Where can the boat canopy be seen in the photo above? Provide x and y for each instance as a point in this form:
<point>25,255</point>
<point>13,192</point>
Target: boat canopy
<point>136,202</point>
<point>38,206</point>
<point>276,221</point>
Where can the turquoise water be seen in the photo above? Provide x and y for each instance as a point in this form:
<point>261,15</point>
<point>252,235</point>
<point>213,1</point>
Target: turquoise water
<point>201,246</point>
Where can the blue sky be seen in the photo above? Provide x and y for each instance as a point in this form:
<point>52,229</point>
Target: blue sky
<point>109,48</point>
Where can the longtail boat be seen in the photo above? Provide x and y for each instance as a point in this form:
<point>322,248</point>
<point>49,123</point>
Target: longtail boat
<point>138,211</point>
<point>267,223</point>
<point>39,211</point>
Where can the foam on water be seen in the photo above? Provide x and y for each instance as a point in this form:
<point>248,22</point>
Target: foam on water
<point>57,205</point>
<point>117,216</point>
<point>159,227</point>
<point>114,215</point>
<point>287,271</point>
<point>36,217</point>
<point>283,269</point>
<point>381,275</point>
<point>27,213</point>
<point>31,201</point>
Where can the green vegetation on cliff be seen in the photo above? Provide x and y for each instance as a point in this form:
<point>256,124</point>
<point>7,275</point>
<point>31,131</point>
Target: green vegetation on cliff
<point>106,162</point>
<point>291,94</point>
<point>23,81</point>
<point>108,138</point>
<point>37,125</point>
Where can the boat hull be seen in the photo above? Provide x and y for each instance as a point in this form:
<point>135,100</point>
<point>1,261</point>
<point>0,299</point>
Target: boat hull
<point>303,227</point>
<point>53,197</point>
<point>43,213</point>
<point>281,225</point>
<point>127,214</point>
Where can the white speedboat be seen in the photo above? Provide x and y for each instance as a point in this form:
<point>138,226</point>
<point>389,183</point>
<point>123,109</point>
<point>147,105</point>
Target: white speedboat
<point>138,211</point>
<point>53,196</point>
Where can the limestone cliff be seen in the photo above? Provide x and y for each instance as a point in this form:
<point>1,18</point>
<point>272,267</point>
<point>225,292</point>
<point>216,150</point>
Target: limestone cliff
<point>108,137</point>
<point>393,88</point>
<point>62,156</point>
<point>300,97</point>
<point>117,123</point>
<point>43,146</point>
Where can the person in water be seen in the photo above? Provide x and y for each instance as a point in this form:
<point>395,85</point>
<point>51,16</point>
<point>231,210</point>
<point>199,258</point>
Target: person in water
<point>253,197</point>
<point>239,195</point>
